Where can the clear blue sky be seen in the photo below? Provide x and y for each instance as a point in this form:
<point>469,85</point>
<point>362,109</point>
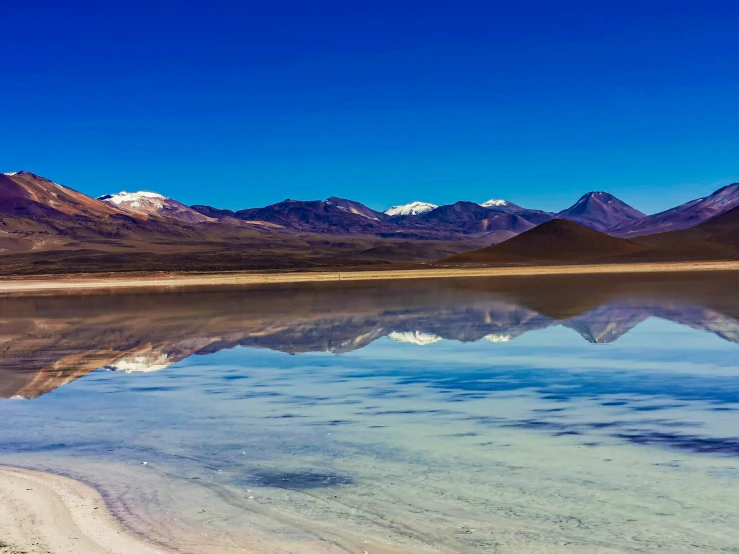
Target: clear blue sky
<point>245,103</point>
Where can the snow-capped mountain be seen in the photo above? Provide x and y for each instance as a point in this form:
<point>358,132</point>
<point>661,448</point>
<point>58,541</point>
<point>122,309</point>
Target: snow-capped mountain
<point>145,203</point>
<point>494,203</point>
<point>414,208</point>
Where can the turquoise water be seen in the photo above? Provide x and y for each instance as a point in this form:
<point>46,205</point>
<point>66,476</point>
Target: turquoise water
<point>476,416</point>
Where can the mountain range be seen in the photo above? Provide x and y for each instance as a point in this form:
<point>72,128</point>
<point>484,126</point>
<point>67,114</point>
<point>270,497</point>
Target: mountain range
<point>45,226</point>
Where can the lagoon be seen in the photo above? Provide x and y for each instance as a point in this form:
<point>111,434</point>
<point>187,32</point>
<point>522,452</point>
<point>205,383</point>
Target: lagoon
<point>541,414</point>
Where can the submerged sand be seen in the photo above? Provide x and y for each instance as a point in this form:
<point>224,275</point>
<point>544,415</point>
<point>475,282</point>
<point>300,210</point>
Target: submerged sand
<point>52,284</point>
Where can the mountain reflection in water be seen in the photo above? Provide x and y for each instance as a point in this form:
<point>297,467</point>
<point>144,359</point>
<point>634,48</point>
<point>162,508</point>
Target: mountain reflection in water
<point>539,414</point>
<point>46,342</point>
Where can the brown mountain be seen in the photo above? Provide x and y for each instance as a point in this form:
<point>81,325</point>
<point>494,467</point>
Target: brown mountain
<point>556,241</point>
<point>47,228</point>
<point>356,208</point>
<point>560,241</point>
<point>717,238</point>
<point>25,194</point>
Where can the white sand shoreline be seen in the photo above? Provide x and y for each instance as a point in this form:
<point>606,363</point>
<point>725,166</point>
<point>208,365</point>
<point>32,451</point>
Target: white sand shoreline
<point>60,283</point>
<point>44,512</point>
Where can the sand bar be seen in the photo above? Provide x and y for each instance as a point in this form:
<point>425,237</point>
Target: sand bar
<point>60,284</point>
<point>41,512</point>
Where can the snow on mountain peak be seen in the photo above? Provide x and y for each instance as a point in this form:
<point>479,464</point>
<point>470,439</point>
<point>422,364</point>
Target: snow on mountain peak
<point>414,208</point>
<point>146,203</point>
<point>11,173</point>
<point>493,202</point>
<point>134,199</point>
<point>415,337</point>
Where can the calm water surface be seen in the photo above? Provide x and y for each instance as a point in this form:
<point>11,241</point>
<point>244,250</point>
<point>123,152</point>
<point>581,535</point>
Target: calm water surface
<point>527,415</point>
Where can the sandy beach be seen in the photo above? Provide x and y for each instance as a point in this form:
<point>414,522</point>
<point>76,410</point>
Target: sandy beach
<point>46,513</point>
<point>60,284</point>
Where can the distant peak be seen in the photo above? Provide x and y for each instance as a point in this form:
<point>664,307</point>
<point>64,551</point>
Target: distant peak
<point>494,203</point>
<point>414,208</point>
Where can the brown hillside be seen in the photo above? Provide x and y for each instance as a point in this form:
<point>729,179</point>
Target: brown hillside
<point>556,241</point>
<point>26,194</point>
<point>720,233</point>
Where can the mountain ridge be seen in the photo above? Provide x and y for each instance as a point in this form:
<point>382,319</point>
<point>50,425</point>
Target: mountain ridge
<point>39,216</point>
<point>686,215</point>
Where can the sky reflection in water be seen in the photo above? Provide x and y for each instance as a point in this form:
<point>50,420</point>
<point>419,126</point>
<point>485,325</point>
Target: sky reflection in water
<point>336,390</point>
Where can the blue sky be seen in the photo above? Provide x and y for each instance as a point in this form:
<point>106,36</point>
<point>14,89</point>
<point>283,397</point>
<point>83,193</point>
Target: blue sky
<point>244,103</point>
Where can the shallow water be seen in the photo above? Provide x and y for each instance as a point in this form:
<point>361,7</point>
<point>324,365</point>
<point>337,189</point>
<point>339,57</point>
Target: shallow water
<point>540,414</point>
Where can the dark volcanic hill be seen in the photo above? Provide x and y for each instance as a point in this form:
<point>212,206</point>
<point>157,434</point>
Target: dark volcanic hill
<point>682,217</point>
<point>215,213</point>
<point>601,211</point>
<point>474,218</point>
<point>493,224</point>
<point>536,217</point>
<point>556,241</point>
<point>314,216</point>
<point>295,214</point>
<point>356,208</point>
